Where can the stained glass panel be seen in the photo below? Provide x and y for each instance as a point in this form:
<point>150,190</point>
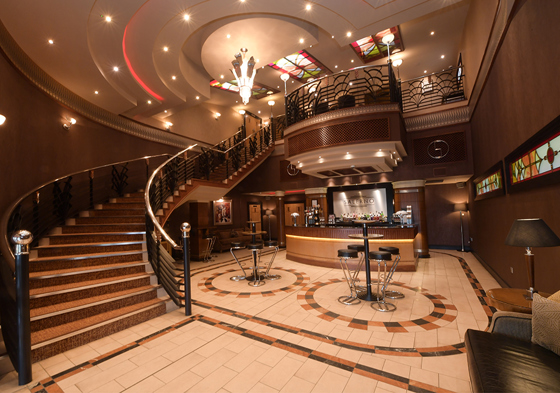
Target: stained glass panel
<point>539,161</point>
<point>372,48</point>
<point>301,66</point>
<point>490,183</point>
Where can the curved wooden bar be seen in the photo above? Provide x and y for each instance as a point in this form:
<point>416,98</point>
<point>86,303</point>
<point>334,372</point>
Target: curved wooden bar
<point>319,245</point>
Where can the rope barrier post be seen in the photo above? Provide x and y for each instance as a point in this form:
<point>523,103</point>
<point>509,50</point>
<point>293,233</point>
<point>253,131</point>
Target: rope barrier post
<point>22,239</point>
<point>186,229</point>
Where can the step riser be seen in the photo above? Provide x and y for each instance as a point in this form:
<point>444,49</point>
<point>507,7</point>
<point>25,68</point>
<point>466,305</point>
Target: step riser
<point>35,267</point>
<point>68,317</point>
<point>85,293</point>
<point>116,213</point>
<point>95,334</point>
<point>64,251</point>
<point>75,278</point>
<point>122,206</point>
<point>104,228</point>
<point>110,220</point>
<point>53,240</point>
<point>128,200</point>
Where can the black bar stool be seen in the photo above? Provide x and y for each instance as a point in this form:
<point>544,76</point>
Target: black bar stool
<point>237,246</point>
<point>255,280</point>
<point>344,255</point>
<point>381,257</point>
<point>271,244</point>
<point>360,248</point>
<point>394,251</point>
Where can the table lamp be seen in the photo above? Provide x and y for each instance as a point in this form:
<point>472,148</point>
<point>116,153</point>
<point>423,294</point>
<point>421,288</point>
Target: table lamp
<point>461,207</point>
<point>531,232</point>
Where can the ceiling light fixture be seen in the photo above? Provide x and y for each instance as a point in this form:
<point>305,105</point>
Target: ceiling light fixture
<point>108,18</point>
<point>308,7</point>
<point>71,121</point>
<point>397,63</point>
<point>186,17</point>
<point>173,77</point>
<point>217,115</point>
<point>244,73</point>
<point>301,40</point>
<point>432,33</point>
<point>242,112</point>
<point>2,119</point>
<point>271,104</point>
<point>168,125</point>
<point>285,78</point>
<point>228,36</point>
<point>115,68</point>
<point>197,97</point>
<point>443,56</point>
<point>165,48</point>
<point>149,101</point>
<point>348,34</point>
<point>387,40</point>
<point>96,92</point>
<point>51,42</point>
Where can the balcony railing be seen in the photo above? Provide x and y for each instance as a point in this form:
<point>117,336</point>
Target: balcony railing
<point>359,86</point>
<point>433,90</point>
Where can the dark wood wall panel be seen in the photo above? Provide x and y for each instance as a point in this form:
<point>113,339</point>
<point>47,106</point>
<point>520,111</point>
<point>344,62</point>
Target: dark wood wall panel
<point>454,142</point>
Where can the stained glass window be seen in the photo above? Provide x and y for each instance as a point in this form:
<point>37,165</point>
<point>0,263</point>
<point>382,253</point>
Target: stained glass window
<point>490,183</point>
<point>372,48</point>
<point>301,66</point>
<point>259,90</point>
<point>539,161</point>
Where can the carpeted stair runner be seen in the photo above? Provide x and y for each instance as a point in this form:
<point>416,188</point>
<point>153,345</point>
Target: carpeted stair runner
<point>91,278</point>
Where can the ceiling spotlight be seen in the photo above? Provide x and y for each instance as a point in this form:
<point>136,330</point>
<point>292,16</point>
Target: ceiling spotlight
<point>308,7</point>
<point>71,120</point>
<point>332,36</point>
<point>228,36</point>
<point>335,66</point>
<point>108,18</point>
<point>432,33</point>
<point>349,34</point>
<point>2,119</point>
<point>197,97</point>
<point>242,112</point>
<point>425,71</point>
<point>149,101</point>
<point>186,17</point>
<point>443,56</point>
<point>96,92</point>
<point>51,42</point>
<point>222,76</point>
<point>165,111</point>
<point>168,125</point>
<point>115,68</point>
<point>173,77</point>
<point>351,61</point>
<point>301,40</point>
<point>165,48</point>
<point>217,115</point>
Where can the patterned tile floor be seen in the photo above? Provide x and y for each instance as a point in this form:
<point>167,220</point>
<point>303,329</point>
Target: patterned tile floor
<point>290,335</point>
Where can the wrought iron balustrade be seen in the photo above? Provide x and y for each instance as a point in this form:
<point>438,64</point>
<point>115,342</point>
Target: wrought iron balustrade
<point>433,90</point>
<point>368,85</point>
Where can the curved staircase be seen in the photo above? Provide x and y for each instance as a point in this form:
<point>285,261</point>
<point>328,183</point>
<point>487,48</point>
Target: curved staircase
<point>91,278</point>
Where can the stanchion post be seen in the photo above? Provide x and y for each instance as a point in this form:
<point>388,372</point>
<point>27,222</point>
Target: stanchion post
<point>186,229</point>
<point>22,239</point>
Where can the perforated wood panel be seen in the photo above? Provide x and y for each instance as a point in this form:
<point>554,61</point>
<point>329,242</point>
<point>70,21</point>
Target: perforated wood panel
<point>339,134</point>
<point>449,147</point>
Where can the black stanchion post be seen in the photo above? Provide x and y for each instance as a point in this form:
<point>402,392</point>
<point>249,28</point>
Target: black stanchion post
<point>186,229</point>
<point>22,239</point>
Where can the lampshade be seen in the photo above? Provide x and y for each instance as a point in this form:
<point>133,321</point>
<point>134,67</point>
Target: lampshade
<point>268,212</point>
<point>531,232</point>
<point>460,207</point>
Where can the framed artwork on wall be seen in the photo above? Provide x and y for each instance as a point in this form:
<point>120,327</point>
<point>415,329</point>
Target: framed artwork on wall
<point>222,212</point>
<point>536,162</point>
<point>490,184</point>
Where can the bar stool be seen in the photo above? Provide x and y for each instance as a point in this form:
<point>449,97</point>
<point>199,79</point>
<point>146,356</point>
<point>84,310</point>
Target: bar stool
<point>256,280</point>
<point>209,247</point>
<point>271,244</point>
<point>394,251</point>
<point>344,255</point>
<point>381,257</point>
<point>360,248</point>
<point>237,246</point>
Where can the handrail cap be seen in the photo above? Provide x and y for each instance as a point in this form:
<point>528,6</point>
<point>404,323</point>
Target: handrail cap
<point>22,237</point>
<point>185,228</point>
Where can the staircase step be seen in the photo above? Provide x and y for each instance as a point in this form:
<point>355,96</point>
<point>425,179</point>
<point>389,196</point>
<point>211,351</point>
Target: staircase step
<point>110,220</point>
<point>116,213</point>
<point>93,237</point>
<point>60,314</point>
<point>86,261</point>
<point>42,297</point>
<point>99,327</point>
<point>87,248</point>
<point>103,228</point>
<point>65,277</point>
<point>128,199</point>
<point>123,206</point>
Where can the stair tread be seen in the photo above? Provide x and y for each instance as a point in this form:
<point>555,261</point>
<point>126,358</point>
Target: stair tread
<point>98,244</point>
<point>55,308</point>
<point>86,269</point>
<point>97,233</point>
<point>85,256</point>
<point>72,327</point>
<point>80,284</point>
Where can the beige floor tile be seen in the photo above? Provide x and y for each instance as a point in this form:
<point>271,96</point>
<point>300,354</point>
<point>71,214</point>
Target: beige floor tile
<point>215,381</point>
<point>148,385</point>
<point>92,383</point>
<point>181,383</point>
<point>179,367</point>
<point>271,356</point>
<point>261,388</point>
<point>331,382</point>
<point>279,375</point>
<point>454,384</point>
<point>298,385</point>
<point>311,370</point>
<point>246,379</point>
<point>217,359</point>
<point>111,387</point>
<point>243,359</point>
<point>139,373</point>
<point>359,383</point>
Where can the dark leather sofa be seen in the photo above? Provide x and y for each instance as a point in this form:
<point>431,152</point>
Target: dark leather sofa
<point>504,359</point>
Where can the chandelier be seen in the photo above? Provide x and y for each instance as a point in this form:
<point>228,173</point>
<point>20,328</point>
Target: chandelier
<point>244,73</point>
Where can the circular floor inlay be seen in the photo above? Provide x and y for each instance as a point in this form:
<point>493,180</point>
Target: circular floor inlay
<point>290,280</point>
<point>439,310</point>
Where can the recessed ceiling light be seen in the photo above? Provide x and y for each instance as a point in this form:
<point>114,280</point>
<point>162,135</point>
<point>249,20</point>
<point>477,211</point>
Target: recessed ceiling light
<point>259,111</point>
<point>258,60</point>
<point>228,36</point>
<point>222,76</point>
<point>335,66</point>
<point>165,48</point>
<point>108,18</point>
<point>351,61</point>
<point>96,92</point>
<point>51,42</point>
<point>348,34</point>
<point>432,33</point>
<point>443,56</point>
<point>173,77</point>
<point>425,71</point>
<point>115,68</point>
<point>149,101</point>
<point>165,111</point>
<point>277,87</point>
<point>308,7</point>
<point>186,17</point>
<point>311,46</point>
<point>319,156</point>
<point>301,40</point>
<point>197,97</point>
<point>332,36</point>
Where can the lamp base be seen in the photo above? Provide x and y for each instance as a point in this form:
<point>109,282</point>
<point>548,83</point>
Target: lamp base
<point>529,294</point>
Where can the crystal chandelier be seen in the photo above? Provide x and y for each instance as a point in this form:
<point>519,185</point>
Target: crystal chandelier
<point>244,73</point>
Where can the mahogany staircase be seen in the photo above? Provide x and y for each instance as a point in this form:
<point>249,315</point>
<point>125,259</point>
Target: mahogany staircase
<point>91,278</point>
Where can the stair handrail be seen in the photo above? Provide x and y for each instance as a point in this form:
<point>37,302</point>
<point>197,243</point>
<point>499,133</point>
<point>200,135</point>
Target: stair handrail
<point>149,210</point>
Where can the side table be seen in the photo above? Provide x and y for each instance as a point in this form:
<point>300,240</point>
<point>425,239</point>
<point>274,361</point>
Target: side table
<point>511,299</point>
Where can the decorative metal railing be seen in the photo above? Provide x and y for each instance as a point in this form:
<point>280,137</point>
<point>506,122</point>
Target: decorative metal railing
<point>433,90</point>
<point>37,213</point>
<point>216,163</point>
<point>368,85</point>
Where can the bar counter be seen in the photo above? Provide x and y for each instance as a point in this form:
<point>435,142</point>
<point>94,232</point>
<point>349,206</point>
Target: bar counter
<point>319,245</point>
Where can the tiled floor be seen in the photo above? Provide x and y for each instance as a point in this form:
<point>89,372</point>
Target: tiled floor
<point>290,335</point>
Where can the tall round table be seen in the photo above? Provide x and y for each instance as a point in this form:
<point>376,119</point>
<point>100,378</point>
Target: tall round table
<point>253,233</point>
<point>366,237</point>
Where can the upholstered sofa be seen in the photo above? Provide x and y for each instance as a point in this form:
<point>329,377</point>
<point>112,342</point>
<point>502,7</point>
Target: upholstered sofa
<point>224,238</point>
<point>506,358</point>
